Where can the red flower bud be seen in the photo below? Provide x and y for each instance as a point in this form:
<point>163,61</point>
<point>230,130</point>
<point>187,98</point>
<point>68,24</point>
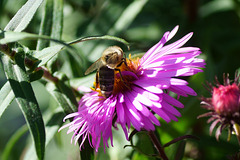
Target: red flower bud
<point>225,99</point>
<point>224,105</point>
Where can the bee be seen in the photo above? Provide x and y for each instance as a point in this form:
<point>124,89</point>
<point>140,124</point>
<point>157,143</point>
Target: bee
<point>111,58</point>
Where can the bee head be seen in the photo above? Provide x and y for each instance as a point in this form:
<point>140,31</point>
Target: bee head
<point>112,56</point>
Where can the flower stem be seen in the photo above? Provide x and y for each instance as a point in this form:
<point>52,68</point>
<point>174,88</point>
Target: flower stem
<point>157,145</point>
<point>236,128</point>
<point>48,75</point>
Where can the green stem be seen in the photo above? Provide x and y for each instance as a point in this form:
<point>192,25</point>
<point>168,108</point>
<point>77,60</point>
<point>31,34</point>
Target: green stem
<point>157,145</point>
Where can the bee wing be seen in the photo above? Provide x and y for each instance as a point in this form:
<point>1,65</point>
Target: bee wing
<point>94,66</point>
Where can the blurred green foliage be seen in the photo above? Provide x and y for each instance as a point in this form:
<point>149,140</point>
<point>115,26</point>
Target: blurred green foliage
<point>216,27</point>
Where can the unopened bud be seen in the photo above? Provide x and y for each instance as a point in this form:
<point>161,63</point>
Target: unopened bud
<point>225,99</point>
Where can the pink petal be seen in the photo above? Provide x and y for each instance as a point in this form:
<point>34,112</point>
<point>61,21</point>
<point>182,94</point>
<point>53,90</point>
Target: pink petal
<point>147,94</point>
<point>148,87</point>
<point>161,113</point>
<point>172,101</point>
<point>142,99</point>
<point>171,109</point>
<point>120,112</point>
<point>173,32</point>
<point>176,44</point>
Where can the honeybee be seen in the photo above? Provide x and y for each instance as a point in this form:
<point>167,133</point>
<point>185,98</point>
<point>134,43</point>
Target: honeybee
<point>111,58</point>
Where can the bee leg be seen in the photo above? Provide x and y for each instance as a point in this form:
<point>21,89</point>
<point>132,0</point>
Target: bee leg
<point>121,77</point>
<point>123,61</point>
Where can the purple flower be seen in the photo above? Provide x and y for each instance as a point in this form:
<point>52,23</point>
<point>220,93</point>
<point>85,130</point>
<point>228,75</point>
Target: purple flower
<point>143,94</point>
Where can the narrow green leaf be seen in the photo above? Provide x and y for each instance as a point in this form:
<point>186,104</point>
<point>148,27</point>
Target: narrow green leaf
<point>63,101</point>
<point>121,24</point>
<point>52,22</point>
<point>19,81</point>
<point>57,25</point>
<point>68,94</point>
<point>63,85</point>
<point>56,33</point>
<point>24,15</point>
<point>51,25</point>
<point>73,65</point>
<point>9,36</point>
<point>105,37</point>
<point>7,97</point>
<point>12,142</point>
<point>53,123</point>
<point>127,16</point>
<point>47,53</point>
<point>180,151</point>
<point>46,24</point>
<point>36,75</point>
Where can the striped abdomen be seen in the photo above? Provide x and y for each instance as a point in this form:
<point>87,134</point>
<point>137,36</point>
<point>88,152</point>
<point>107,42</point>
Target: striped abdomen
<point>106,80</point>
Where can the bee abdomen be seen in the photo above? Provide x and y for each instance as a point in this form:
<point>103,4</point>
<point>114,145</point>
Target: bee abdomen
<point>106,80</point>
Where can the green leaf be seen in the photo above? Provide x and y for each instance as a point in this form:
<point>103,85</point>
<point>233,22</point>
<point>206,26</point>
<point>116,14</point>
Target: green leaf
<point>9,36</point>
<point>62,99</point>
<point>56,33</point>
<point>57,25</point>
<point>127,17</point>
<point>47,53</point>
<point>72,64</point>
<point>180,150</point>
<point>46,24</point>
<point>215,6</point>
<point>19,81</point>
<point>53,122</point>
<point>7,97</point>
<point>51,25</point>
<point>105,37</point>
<point>12,142</point>
<point>24,15</point>
<point>52,22</point>
<point>36,75</point>
<point>121,24</point>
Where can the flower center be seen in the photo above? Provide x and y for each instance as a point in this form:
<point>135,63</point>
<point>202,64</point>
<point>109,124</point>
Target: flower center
<point>225,99</point>
<point>125,75</point>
